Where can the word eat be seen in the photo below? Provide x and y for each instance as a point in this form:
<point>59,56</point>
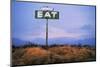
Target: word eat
<point>39,14</point>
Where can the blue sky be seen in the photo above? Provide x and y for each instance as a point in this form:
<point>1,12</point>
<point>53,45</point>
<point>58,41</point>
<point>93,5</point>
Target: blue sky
<point>77,22</point>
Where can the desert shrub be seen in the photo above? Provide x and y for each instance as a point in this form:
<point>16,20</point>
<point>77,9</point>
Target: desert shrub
<point>33,55</point>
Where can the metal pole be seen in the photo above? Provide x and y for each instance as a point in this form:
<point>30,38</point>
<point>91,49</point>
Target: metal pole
<point>47,33</point>
<point>48,59</point>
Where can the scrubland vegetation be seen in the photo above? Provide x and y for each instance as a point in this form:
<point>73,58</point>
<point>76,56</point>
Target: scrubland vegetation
<point>35,54</point>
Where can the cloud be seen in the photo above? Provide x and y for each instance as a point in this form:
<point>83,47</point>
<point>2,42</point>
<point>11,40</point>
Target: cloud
<point>58,33</point>
<point>53,32</point>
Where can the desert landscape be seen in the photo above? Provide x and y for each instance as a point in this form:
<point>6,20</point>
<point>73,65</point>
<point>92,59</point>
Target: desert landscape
<point>37,55</point>
<point>54,35</point>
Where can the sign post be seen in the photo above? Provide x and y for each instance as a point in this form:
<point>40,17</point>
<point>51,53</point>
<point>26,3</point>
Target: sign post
<point>46,14</point>
<point>47,33</point>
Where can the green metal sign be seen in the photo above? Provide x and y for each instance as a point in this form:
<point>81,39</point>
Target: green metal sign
<point>40,14</point>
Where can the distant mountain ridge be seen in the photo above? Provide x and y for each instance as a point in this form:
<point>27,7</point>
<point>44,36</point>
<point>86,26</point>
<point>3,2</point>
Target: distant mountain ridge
<point>18,42</point>
<point>56,41</point>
